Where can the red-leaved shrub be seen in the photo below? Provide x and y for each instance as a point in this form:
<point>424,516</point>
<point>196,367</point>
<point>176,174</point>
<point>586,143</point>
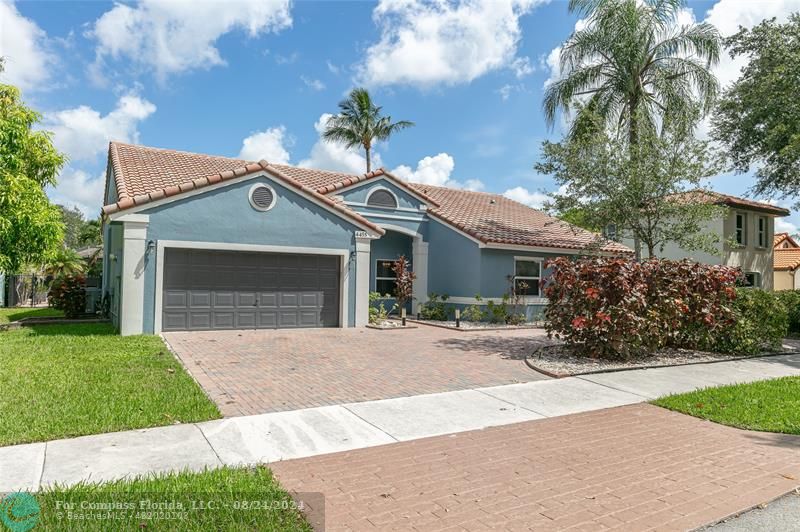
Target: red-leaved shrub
<point>68,293</point>
<point>620,308</point>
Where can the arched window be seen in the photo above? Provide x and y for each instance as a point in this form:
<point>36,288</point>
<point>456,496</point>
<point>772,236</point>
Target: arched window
<point>382,198</point>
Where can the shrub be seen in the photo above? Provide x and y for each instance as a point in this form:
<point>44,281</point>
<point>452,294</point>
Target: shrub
<point>68,294</point>
<point>620,308</point>
<point>404,277</point>
<point>377,308</point>
<point>762,322</point>
<point>497,312</point>
<point>474,312</point>
<point>791,301</point>
<point>435,308</point>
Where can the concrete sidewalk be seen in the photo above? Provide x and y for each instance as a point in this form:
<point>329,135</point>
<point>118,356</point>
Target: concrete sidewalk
<point>328,429</point>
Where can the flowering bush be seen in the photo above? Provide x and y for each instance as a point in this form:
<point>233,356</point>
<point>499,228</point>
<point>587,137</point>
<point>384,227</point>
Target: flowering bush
<point>620,308</point>
<point>68,293</point>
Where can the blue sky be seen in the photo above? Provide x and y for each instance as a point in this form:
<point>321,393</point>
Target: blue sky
<point>254,79</point>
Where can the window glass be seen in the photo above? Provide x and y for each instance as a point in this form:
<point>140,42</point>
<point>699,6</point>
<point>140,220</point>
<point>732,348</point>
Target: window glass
<point>385,279</point>
<point>384,269</point>
<point>527,275</point>
<point>740,229</point>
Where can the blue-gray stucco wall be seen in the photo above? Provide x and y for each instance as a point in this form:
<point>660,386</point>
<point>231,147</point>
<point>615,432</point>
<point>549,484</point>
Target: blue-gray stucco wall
<point>224,215</point>
<point>388,247</point>
<point>454,262</point>
<point>358,194</point>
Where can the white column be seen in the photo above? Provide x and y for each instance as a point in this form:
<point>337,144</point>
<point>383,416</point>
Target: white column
<point>362,280</point>
<point>419,252</point>
<point>133,262</point>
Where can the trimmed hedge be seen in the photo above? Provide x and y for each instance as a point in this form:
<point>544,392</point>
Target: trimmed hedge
<point>619,309</point>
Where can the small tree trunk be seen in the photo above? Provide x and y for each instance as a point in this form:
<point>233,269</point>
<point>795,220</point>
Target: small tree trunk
<point>637,248</point>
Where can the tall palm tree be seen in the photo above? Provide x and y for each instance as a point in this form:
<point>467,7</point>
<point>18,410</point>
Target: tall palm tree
<point>633,65</point>
<point>360,123</point>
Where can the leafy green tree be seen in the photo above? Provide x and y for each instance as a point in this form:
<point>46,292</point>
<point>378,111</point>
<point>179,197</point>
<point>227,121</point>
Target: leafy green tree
<point>30,226</point>
<point>91,233</point>
<point>643,192</point>
<point>65,262</point>
<point>579,217</point>
<point>633,64</point>
<point>360,123</point>
<point>73,221</point>
<point>758,117</point>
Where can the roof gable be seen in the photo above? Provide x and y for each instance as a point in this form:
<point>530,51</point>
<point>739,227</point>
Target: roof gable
<point>717,198</point>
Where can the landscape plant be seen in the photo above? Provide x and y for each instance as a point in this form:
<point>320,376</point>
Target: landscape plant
<point>618,308</point>
<point>68,294</point>
<point>404,281</point>
<point>377,309</point>
<point>474,313</point>
<point>436,308</point>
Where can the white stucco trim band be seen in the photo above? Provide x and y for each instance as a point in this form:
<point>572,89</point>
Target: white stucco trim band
<point>344,277</point>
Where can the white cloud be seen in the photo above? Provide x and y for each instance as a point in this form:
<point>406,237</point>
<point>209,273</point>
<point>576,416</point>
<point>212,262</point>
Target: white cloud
<point>426,44</point>
<point>172,36</point>
<point>83,133</point>
<point>437,171</point>
<point>523,195</point>
<point>268,144</point>
<point>313,84</point>
<point>553,61</point>
<point>334,156</point>
<point>783,225</point>
<point>23,44</point>
<point>522,67</point>
<point>77,188</point>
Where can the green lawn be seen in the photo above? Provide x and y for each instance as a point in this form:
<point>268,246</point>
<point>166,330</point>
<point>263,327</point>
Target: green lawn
<point>14,314</point>
<point>769,406</point>
<point>59,381</point>
<point>225,488</point>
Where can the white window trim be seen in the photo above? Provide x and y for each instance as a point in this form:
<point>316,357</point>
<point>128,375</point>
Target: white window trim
<point>375,286</point>
<point>377,188</point>
<point>540,260</point>
<point>736,229</point>
<point>760,233</point>
<point>253,203</point>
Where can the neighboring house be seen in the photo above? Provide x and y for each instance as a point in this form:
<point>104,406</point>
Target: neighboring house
<point>786,262</point>
<point>197,242</point>
<point>745,237</point>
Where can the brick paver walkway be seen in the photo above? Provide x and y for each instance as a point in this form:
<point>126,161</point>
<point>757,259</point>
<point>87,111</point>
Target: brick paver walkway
<point>634,468</point>
<point>255,372</point>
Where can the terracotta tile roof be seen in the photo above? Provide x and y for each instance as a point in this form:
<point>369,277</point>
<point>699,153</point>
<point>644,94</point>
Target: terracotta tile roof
<point>144,175</point>
<point>709,196</point>
<point>492,218</point>
<point>786,259</point>
<point>785,241</point>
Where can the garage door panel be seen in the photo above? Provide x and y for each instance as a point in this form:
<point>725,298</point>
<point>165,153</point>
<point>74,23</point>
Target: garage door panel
<point>246,320</point>
<point>310,299</point>
<point>209,289</point>
<point>268,300</point>
<point>175,299</point>
<point>199,320</point>
<point>222,320</point>
<point>224,300</point>
<point>246,299</point>
<point>199,299</point>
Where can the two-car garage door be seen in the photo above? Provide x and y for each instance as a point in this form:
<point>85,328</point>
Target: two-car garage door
<point>209,289</point>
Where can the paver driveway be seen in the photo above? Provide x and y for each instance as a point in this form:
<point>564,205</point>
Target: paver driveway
<point>634,468</point>
<point>255,372</point>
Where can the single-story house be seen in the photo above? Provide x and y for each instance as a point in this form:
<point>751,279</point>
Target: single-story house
<point>198,242</point>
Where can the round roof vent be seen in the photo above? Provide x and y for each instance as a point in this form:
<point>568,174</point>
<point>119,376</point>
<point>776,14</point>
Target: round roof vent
<point>262,197</point>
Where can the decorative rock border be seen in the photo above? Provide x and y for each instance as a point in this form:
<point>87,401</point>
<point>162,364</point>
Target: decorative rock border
<point>444,325</point>
<point>733,358</point>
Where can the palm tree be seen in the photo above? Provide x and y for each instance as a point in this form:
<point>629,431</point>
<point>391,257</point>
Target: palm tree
<point>65,262</point>
<point>634,65</point>
<point>360,123</point>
